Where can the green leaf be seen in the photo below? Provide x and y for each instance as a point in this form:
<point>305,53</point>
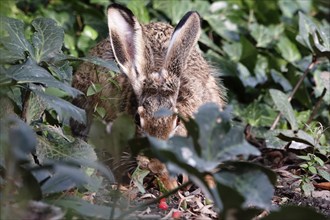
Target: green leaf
<point>17,138</point>
<point>318,160</point>
<point>180,156</point>
<point>306,27</point>
<point>324,174</point>
<point>289,8</point>
<point>298,136</point>
<point>62,71</point>
<point>249,53</point>
<point>280,79</point>
<point>247,79</point>
<point>266,36</point>
<point>312,170</point>
<point>304,165</point>
<point>218,140</point>
<point>84,208</point>
<point>93,89</point>
<point>288,50</point>
<point>64,109</point>
<point>30,72</point>
<point>233,50</point>
<point>183,150</point>
<point>109,64</point>
<point>140,10</point>
<point>222,26</point>
<point>322,81</point>
<point>15,45</point>
<point>47,40</point>
<point>307,157</point>
<point>54,145</point>
<point>173,9</point>
<point>138,177</point>
<point>65,177</point>
<point>88,31</point>
<point>250,181</point>
<point>256,114</point>
<point>307,187</point>
<point>204,39</point>
<point>121,130</point>
<point>101,111</point>
<point>314,37</point>
<point>225,66</point>
<point>284,106</point>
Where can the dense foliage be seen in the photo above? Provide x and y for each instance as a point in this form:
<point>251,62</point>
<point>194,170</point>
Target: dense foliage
<point>273,56</point>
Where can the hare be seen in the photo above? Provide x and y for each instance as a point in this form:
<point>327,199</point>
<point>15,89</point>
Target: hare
<point>161,69</point>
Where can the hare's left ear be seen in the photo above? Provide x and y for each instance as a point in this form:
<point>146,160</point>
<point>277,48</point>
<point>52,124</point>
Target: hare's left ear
<point>126,38</point>
<point>182,42</point>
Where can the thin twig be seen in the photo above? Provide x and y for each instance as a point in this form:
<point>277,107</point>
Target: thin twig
<point>316,108</point>
<point>144,205</point>
<point>310,66</point>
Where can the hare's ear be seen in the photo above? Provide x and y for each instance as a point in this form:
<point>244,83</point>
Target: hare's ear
<point>182,42</point>
<point>126,39</point>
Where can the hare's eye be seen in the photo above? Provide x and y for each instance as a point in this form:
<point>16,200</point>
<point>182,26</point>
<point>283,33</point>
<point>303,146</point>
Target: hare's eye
<point>137,119</point>
<point>178,120</point>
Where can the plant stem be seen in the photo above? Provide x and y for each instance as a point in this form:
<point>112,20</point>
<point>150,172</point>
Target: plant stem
<point>316,107</point>
<point>310,66</point>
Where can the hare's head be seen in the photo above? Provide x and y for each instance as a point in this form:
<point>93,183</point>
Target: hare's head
<point>153,71</point>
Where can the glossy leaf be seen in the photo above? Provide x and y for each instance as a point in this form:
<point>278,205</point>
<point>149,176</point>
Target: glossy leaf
<point>284,106</point>
<point>15,44</point>
<point>47,40</point>
<point>250,181</point>
<point>64,109</point>
<point>288,50</point>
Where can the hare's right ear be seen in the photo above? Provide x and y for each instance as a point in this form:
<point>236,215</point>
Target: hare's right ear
<point>127,43</point>
<point>182,42</point>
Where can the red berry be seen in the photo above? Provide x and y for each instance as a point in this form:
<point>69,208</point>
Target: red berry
<point>162,204</point>
<point>176,215</point>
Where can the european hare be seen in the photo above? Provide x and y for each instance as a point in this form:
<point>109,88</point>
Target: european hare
<point>162,69</point>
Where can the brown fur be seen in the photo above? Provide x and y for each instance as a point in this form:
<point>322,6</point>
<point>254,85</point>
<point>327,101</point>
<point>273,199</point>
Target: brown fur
<point>183,86</point>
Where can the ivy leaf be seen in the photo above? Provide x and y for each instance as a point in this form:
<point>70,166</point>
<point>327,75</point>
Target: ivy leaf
<point>280,79</point>
<point>173,9</point>
<point>225,66</point>
<point>15,45</point>
<point>266,35</point>
<point>288,50</point>
<point>234,50</point>
<point>283,105</point>
<point>47,40</point>
<point>322,81</point>
<point>226,29</point>
<point>312,36</point>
